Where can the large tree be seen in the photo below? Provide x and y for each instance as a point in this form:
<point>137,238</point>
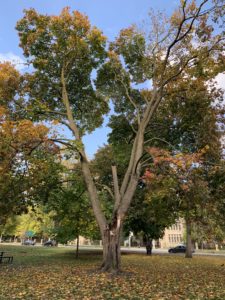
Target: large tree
<point>66,52</point>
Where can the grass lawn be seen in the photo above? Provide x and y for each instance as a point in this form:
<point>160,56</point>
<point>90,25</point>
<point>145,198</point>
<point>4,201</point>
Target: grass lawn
<point>54,273</point>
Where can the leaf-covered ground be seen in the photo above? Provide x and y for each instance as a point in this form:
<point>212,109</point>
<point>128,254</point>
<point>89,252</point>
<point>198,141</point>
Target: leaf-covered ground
<point>47,273</point>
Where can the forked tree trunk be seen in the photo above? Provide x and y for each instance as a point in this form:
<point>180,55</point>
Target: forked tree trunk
<point>111,249</point>
<point>188,253</point>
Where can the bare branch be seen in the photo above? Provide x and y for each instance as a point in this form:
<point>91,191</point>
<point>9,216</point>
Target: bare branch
<point>179,37</point>
<point>64,142</point>
<point>52,112</point>
<point>133,129</point>
<point>159,139</point>
<point>116,188</point>
<point>65,98</point>
<point>107,188</point>
<point>179,72</point>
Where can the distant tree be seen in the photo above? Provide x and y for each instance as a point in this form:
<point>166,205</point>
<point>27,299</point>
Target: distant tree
<point>150,214</point>
<point>36,220</point>
<point>207,233</point>
<point>8,228</point>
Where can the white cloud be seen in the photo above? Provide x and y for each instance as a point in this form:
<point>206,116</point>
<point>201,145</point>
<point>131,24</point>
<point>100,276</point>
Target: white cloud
<point>14,59</point>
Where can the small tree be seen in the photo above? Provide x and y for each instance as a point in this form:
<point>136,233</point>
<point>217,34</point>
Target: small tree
<point>72,213</point>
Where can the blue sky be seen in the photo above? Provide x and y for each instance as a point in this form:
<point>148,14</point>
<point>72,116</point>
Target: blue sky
<point>109,15</point>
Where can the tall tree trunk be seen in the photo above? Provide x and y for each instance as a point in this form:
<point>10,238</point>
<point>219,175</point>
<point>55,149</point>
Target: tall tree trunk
<point>188,253</point>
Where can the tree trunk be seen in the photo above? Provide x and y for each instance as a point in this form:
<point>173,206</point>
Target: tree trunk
<point>148,245</point>
<point>111,249</point>
<point>188,253</point>
<point>77,249</point>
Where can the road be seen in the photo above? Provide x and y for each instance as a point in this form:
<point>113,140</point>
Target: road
<point>159,251</point>
<point>140,250</point>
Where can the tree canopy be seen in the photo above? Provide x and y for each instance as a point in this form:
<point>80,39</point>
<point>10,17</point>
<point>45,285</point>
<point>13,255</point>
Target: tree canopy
<point>74,75</point>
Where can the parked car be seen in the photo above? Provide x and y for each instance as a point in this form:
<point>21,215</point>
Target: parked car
<point>178,249</point>
<point>29,243</point>
<point>49,243</point>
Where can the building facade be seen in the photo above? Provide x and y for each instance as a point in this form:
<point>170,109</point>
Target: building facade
<point>173,236</point>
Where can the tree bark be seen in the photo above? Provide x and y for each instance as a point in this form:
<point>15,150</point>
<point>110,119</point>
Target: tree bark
<point>111,247</point>
<point>188,253</point>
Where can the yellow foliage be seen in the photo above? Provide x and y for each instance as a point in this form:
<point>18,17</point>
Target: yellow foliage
<point>9,81</point>
<point>55,122</point>
<point>81,20</point>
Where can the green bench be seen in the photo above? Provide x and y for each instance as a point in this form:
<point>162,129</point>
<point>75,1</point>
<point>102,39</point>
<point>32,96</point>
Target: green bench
<point>5,258</point>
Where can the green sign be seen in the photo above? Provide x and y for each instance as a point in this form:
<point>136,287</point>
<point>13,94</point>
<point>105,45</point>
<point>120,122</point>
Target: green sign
<point>29,233</point>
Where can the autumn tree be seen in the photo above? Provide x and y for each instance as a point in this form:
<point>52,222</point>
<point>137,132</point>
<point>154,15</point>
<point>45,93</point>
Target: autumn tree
<point>65,51</point>
<point>194,117</point>
<point>190,117</point>
<point>27,164</point>
<point>27,168</point>
<point>183,177</point>
<point>215,226</point>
